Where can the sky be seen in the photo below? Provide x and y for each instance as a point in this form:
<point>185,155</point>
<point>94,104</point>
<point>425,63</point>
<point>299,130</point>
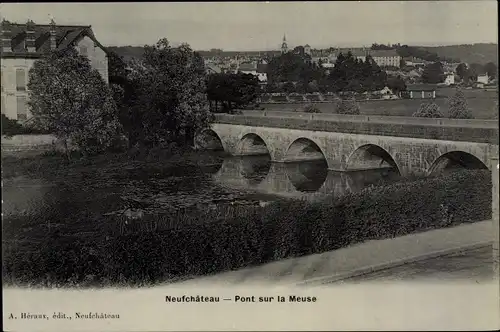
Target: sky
<point>241,26</point>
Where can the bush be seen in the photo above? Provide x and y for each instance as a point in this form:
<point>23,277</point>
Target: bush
<point>12,127</point>
<point>428,110</point>
<point>348,106</point>
<point>197,242</point>
<point>310,108</point>
<point>458,107</point>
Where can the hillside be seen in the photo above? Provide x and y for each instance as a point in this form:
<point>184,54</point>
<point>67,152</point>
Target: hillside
<point>474,53</point>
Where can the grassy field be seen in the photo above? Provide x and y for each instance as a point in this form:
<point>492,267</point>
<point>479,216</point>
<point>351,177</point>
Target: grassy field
<point>484,104</point>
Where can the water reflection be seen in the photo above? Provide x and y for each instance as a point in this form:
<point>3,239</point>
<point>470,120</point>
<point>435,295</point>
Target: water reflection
<point>307,176</point>
<point>305,180</point>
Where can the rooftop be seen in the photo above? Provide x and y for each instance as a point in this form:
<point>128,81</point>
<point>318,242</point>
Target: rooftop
<point>65,36</point>
<point>421,87</point>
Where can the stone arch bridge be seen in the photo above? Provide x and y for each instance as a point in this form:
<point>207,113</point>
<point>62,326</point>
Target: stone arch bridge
<point>411,145</point>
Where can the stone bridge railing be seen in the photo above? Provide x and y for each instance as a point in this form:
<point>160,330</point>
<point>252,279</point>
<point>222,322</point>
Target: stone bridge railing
<point>479,131</point>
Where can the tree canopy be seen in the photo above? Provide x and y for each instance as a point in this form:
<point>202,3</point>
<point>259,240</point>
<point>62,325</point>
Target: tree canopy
<point>71,100</point>
<point>169,102</point>
<point>433,73</point>
<point>232,90</point>
<point>351,74</point>
<point>428,110</point>
<point>458,106</point>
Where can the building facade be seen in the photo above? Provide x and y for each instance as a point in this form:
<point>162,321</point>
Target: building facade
<point>386,58</point>
<point>420,91</point>
<point>450,79</point>
<point>23,44</point>
<point>484,79</point>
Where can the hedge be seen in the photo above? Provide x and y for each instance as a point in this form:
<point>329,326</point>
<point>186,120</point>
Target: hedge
<point>90,252</point>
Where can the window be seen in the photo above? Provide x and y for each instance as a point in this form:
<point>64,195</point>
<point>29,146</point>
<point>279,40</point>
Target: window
<point>83,50</point>
<point>20,79</point>
<point>21,108</point>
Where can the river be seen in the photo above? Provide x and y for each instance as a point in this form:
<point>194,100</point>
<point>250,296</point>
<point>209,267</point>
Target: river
<point>242,180</point>
<point>214,179</point>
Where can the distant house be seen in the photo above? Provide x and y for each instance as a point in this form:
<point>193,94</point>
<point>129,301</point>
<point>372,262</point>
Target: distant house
<point>253,68</point>
<point>212,69</point>
<point>450,79</point>
<point>420,91</point>
<point>484,78</point>
<point>23,44</point>
<point>384,91</point>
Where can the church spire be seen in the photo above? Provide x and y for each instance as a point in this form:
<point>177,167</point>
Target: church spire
<point>284,46</point>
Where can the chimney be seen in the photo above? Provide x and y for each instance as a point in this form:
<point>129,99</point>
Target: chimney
<point>53,44</point>
<point>30,36</point>
<point>6,36</point>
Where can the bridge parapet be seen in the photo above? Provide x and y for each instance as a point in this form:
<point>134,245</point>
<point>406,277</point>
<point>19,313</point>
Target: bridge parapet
<point>478,131</point>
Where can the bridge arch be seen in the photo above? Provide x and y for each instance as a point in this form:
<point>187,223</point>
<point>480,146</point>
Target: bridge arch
<point>370,156</point>
<point>456,159</point>
<point>208,139</point>
<point>304,149</point>
<point>252,144</point>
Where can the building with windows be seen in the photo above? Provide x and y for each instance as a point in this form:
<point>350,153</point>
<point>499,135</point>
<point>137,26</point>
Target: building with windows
<point>420,91</point>
<point>386,58</point>
<point>256,69</point>
<point>23,44</point>
<point>383,58</point>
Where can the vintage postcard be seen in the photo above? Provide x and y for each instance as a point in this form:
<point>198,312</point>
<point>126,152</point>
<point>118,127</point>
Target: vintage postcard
<point>182,166</point>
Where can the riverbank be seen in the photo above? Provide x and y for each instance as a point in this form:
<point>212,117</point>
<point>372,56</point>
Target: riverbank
<point>68,240</point>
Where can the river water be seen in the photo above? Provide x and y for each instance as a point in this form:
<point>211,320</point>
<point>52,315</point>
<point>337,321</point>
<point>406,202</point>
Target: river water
<point>251,180</point>
<point>217,179</point>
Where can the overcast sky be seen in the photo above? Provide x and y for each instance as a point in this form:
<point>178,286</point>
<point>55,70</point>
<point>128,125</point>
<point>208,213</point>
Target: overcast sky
<point>261,25</point>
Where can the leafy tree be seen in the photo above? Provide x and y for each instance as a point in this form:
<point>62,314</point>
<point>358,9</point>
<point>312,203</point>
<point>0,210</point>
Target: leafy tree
<point>71,100</point>
<point>461,71</point>
<point>376,46</point>
<point>458,107</point>
<point>292,67</point>
<point>300,87</point>
<point>428,110</point>
<point>288,87</point>
<point>433,73</point>
<point>170,98</point>
<point>417,52</point>
<point>348,106</point>
<point>491,69</point>
<point>313,86</point>
<point>396,84</point>
<point>232,90</point>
